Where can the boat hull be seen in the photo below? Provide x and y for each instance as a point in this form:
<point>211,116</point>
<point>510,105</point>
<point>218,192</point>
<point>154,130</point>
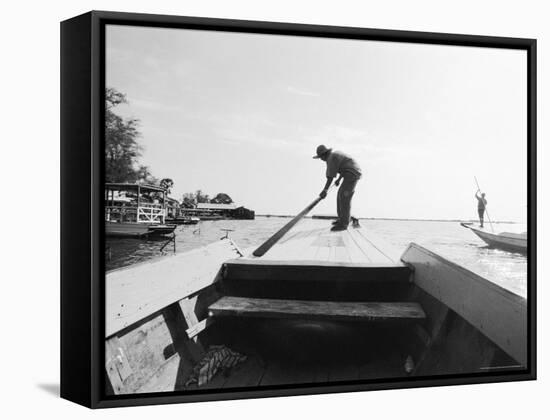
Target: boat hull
<point>135,230</point>
<point>183,221</point>
<point>495,314</point>
<point>161,229</point>
<point>505,241</point>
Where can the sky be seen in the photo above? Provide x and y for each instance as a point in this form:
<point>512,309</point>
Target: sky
<point>244,113</point>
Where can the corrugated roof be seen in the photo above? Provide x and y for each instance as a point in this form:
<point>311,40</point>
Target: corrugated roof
<point>127,186</point>
<point>214,206</point>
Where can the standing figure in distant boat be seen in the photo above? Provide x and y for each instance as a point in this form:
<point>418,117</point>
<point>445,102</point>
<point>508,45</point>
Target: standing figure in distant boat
<point>481,204</point>
<point>350,172</point>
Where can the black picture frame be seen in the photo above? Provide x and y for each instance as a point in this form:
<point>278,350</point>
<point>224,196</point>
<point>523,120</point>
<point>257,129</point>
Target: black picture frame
<point>82,235</point>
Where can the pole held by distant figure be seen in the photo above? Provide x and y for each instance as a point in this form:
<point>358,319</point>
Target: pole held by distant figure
<point>266,246</point>
<point>488,218</point>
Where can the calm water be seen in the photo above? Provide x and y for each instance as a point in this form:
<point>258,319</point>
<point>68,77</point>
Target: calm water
<point>448,239</point>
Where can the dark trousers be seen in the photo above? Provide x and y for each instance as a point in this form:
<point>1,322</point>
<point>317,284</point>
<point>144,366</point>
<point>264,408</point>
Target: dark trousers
<point>480,213</point>
<point>343,200</point>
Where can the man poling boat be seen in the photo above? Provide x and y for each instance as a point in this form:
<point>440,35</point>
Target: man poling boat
<point>507,241</point>
<point>481,204</point>
<point>339,163</point>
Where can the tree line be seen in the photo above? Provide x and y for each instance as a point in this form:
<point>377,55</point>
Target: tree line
<point>191,199</point>
<point>122,153</point>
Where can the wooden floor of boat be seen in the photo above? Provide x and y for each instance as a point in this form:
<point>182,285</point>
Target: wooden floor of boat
<point>358,354</point>
<point>254,372</point>
<point>312,239</point>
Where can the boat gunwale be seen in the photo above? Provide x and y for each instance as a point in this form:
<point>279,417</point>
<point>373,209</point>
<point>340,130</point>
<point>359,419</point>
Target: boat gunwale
<point>497,236</point>
<point>520,300</point>
<point>258,261</point>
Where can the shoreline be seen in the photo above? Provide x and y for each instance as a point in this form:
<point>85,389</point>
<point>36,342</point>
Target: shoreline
<point>284,216</point>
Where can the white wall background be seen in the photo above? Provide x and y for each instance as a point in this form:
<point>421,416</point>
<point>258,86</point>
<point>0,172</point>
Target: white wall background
<point>30,211</point>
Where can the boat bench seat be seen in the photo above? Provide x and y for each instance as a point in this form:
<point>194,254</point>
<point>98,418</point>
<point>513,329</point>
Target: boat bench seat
<point>343,311</point>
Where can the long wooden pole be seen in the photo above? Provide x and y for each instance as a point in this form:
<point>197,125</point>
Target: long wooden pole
<point>266,246</point>
<point>488,218</point>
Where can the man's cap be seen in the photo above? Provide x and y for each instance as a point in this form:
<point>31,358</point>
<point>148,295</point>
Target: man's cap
<point>321,151</point>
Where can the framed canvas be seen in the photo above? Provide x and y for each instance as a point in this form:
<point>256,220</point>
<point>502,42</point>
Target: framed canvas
<point>207,256</point>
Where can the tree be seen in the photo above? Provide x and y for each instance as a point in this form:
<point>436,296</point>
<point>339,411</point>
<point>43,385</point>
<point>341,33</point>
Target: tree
<point>167,184</point>
<point>122,149</point>
<point>188,200</point>
<point>202,198</point>
<point>222,198</point>
<point>144,176</point>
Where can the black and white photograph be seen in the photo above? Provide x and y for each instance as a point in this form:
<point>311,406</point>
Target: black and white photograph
<point>286,211</point>
<point>272,210</point>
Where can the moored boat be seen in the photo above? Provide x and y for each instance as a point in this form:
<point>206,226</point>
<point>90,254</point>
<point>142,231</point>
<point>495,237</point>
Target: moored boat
<point>507,241</point>
<point>318,307</point>
<point>184,220</point>
<point>135,210</point>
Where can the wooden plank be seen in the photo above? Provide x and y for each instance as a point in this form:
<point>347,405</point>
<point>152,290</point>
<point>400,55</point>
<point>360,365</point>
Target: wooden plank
<point>323,252</point>
<point>144,349</point>
<point>195,311</point>
<point>360,246</point>
<point>288,372</point>
<point>116,364</point>
<point>276,373</point>
<point>199,327</point>
<point>341,253</point>
<point>247,374</point>
<point>389,367</point>
<point>187,307</point>
<point>367,246</point>
<point>132,293</point>
<point>499,314</point>
<point>165,378</point>
<point>319,243</point>
<point>386,251</point>
<point>343,371</point>
<point>349,311</point>
<point>355,253</point>
<point>320,373</point>
<point>300,244</point>
<point>266,246</point>
<point>258,270</point>
<point>239,262</point>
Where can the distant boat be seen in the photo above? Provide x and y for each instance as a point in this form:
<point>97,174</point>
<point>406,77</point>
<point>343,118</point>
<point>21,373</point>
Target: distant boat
<point>185,220</point>
<point>324,216</point>
<point>507,241</point>
<point>211,217</point>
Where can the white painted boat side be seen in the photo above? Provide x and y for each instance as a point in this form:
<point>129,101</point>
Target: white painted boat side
<point>126,229</point>
<point>132,293</point>
<point>506,240</point>
<point>498,313</point>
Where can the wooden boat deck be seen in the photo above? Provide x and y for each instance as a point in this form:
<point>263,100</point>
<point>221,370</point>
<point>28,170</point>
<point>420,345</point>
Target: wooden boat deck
<point>312,240</point>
